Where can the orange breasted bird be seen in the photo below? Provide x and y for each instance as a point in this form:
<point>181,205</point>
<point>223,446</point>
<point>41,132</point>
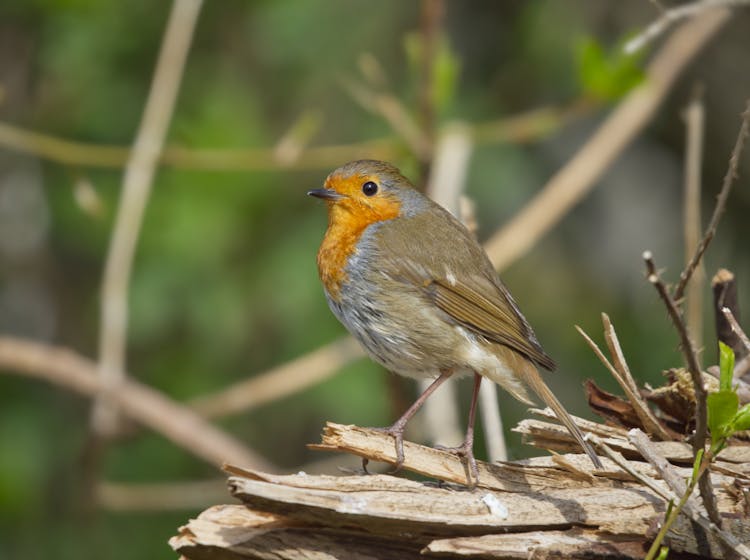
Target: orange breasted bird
<point>412,284</point>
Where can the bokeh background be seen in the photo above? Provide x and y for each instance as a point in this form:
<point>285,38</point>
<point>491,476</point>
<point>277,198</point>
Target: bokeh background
<point>224,284</point>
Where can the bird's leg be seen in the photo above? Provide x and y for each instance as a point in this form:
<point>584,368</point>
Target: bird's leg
<point>468,445</point>
<point>466,449</point>
<point>397,429</point>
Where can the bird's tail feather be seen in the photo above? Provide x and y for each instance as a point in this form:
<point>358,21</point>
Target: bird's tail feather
<point>537,384</point>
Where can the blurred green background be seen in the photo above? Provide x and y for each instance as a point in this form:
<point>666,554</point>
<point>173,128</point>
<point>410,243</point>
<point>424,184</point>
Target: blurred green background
<point>224,283</point>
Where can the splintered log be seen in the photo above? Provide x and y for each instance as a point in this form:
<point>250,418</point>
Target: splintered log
<point>546,507</point>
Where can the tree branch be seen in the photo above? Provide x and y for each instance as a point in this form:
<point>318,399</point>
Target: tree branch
<point>721,203</point>
<point>580,175</point>
<point>151,408</point>
<point>139,174</point>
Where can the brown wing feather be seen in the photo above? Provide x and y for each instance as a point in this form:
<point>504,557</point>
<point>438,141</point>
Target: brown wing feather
<point>492,318</point>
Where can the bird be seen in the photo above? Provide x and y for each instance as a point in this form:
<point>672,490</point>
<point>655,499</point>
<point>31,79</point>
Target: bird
<point>418,292</point>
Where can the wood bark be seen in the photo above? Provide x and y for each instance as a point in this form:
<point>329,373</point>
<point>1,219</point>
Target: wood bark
<point>547,507</point>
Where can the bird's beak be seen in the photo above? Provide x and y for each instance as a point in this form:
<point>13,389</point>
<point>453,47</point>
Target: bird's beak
<point>326,194</point>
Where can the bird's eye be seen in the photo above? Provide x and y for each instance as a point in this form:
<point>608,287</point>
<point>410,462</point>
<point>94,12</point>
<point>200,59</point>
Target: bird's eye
<point>370,188</point>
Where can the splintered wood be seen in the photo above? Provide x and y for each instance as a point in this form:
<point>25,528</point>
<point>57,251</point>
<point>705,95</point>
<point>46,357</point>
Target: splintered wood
<point>547,507</point>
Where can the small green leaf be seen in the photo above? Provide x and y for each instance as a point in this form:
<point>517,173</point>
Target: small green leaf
<point>697,464</point>
<point>741,420</point>
<point>722,408</point>
<point>663,553</point>
<point>726,367</point>
<point>606,75</point>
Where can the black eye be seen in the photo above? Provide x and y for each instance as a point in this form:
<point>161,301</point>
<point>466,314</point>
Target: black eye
<point>370,188</point>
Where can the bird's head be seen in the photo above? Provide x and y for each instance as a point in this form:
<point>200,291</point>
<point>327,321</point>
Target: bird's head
<point>364,192</point>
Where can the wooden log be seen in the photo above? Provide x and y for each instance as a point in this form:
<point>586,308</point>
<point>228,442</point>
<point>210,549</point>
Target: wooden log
<point>546,507</point>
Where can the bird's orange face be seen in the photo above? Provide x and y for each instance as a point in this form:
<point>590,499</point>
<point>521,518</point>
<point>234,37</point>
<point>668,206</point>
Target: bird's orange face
<point>358,200</point>
<point>355,201</point>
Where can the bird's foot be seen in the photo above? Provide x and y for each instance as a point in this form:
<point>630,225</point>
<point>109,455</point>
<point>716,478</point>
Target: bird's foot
<point>397,433</point>
<point>465,452</point>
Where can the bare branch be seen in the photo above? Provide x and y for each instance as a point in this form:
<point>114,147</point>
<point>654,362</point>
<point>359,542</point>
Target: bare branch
<point>524,127</point>
<point>721,203</point>
<point>281,381</point>
<point>393,111</point>
<point>149,407</point>
<point>724,286</point>
<point>136,187</point>
<point>693,366</point>
<point>579,176</point>
<point>647,418</point>
<point>677,485</point>
<point>736,328</point>
<point>670,17</point>
<point>430,22</point>
<point>694,122</point>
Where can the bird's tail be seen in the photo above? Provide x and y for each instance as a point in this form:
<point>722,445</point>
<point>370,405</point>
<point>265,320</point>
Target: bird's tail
<point>537,384</point>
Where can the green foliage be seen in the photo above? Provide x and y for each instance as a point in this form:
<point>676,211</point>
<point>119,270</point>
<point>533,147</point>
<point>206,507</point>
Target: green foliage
<point>742,419</point>
<point>446,68</point>
<point>726,367</point>
<point>724,418</point>
<point>606,75</point>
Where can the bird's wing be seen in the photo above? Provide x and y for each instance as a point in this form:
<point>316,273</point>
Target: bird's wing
<point>473,296</point>
<point>493,314</point>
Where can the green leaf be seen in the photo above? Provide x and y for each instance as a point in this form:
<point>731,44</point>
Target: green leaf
<point>726,367</point>
<point>741,421</point>
<point>606,75</point>
<point>663,552</point>
<point>722,408</point>
<point>697,464</point>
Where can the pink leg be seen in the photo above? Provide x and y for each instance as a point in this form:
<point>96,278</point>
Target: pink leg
<point>397,429</point>
<point>468,445</point>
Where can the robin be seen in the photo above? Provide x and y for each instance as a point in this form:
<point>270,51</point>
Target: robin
<point>412,284</point>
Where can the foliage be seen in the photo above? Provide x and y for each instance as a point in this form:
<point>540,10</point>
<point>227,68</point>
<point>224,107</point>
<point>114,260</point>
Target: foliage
<point>606,75</point>
<point>725,417</point>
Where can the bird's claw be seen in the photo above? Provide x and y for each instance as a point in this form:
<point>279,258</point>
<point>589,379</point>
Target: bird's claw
<point>465,452</point>
<point>398,436</point>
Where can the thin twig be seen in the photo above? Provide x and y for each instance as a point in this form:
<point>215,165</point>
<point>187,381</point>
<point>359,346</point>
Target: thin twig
<point>647,418</point>
<point>641,408</point>
<point>149,407</point>
<point>291,145</point>
<point>692,513</point>
<point>136,187</point>
<point>736,327</point>
<point>644,446</point>
<point>525,127</point>
<point>721,203</point>
<point>694,119</point>
<point>580,175</point>
<point>669,17</point>
<point>626,466</point>
<point>430,22</point>
<point>599,354</point>
<point>688,350</point>
<point>693,366</point>
<point>724,287</point>
<point>675,482</point>
<point>393,111</point>
<point>279,382</point>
